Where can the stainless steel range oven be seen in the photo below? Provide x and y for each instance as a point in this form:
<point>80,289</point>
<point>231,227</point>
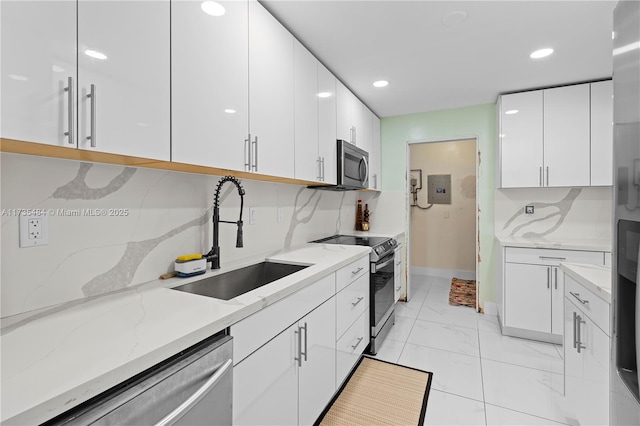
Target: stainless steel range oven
<point>381,281</point>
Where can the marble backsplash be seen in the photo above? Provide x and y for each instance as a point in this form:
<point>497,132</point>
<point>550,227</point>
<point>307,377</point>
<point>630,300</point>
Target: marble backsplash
<point>162,214</point>
<point>563,213</point>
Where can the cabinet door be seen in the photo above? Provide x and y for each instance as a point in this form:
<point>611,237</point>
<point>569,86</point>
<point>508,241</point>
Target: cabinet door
<point>397,273</point>
<point>38,58</point>
<point>271,99</point>
<point>557,300</point>
<point>528,299</point>
<point>364,133</point>
<point>595,396</point>
<point>573,361</point>
<point>265,384</point>
<point>209,85</point>
<point>374,156</point>
<point>602,133</point>
<point>317,372</point>
<point>566,136</point>
<point>327,147</point>
<point>521,140</point>
<point>346,107</point>
<point>305,67</point>
<point>124,54</point>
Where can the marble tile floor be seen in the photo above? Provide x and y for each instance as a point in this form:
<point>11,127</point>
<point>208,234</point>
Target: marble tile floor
<point>480,376</point>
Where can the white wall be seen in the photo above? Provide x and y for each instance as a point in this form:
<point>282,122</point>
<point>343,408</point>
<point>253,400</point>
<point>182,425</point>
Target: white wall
<point>169,213</point>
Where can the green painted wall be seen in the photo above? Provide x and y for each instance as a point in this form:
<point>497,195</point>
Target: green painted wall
<point>460,123</point>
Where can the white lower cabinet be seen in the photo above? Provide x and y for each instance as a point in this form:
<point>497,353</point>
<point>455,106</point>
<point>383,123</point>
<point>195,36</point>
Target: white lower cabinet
<point>289,358</point>
<point>586,355</point>
<point>265,384</point>
<point>398,271</point>
<point>532,290</point>
<point>290,379</point>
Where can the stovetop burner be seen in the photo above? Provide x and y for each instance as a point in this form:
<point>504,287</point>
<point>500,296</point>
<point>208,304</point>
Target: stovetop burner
<point>381,246</point>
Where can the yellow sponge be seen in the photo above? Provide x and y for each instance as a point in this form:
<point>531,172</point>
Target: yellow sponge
<point>188,257</point>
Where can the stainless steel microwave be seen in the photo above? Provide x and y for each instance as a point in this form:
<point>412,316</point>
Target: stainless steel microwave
<point>352,168</point>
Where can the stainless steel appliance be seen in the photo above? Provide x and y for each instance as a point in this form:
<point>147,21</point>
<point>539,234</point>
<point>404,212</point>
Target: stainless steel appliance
<point>381,281</point>
<point>625,351</point>
<point>192,388</point>
<point>352,166</point>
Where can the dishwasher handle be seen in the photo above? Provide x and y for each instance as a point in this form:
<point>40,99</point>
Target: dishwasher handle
<point>183,408</point>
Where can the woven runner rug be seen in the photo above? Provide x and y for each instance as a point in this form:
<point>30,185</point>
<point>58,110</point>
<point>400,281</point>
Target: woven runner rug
<point>380,393</point>
<point>462,293</point>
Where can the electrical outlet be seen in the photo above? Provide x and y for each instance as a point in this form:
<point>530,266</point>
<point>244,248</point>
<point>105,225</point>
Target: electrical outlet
<point>253,216</point>
<point>34,230</point>
<point>528,210</point>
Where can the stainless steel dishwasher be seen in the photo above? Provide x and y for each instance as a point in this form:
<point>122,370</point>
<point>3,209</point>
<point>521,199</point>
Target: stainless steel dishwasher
<point>192,388</point>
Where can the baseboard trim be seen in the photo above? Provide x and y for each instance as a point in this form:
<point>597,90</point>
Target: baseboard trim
<point>443,273</point>
<point>532,335</point>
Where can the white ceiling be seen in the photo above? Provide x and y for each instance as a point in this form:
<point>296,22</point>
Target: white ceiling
<point>432,66</point>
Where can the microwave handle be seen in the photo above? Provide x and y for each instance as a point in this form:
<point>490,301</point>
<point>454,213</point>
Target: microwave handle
<point>366,170</point>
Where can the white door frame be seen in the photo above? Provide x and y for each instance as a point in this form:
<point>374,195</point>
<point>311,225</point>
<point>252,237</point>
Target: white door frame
<point>407,231</point>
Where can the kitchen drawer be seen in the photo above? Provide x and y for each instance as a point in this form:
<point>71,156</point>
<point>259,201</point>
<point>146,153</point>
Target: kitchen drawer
<point>352,272</point>
<point>397,288</point>
<point>350,346</point>
<point>552,257</point>
<point>351,303</point>
<point>592,305</point>
<point>256,330</point>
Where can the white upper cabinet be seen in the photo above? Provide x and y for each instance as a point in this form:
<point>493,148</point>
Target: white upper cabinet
<point>521,140</point>
<point>307,164</point>
<point>559,137</point>
<point>602,133</point>
<point>349,115</point>
<point>210,85</point>
<point>38,61</point>
<point>327,105</point>
<point>566,136</point>
<point>375,157</point>
<point>123,78</point>
<point>271,94</point>
<point>365,131</point>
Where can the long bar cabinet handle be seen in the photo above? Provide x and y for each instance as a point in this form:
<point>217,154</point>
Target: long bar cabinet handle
<point>577,296</point>
<point>71,100</point>
<point>92,95</point>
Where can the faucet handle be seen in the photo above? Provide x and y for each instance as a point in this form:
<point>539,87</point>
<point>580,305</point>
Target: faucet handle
<point>239,241</point>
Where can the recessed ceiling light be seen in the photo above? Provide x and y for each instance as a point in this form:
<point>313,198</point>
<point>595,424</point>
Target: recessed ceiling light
<point>95,54</point>
<point>18,77</point>
<point>380,83</point>
<point>212,8</point>
<point>453,18</point>
<point>324,94</point>
<point>541,53</point>
<point>230,111</point>
<point>511,111</point>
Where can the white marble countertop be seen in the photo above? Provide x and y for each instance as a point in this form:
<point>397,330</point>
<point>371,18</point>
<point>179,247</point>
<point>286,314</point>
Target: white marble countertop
<point>591,244</point>
<point>55,362</point>
<point>594,278</point>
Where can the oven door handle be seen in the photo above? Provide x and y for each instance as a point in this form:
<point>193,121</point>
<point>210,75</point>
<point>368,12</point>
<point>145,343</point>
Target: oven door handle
<point>382,265</point>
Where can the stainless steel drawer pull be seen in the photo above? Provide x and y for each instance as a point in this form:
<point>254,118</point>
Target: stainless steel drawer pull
<point>322,168</point>
<point>540,175</point>
<point>358,300</point>
<point>299,357</point>
<point>398,288</point>
<point>577,296</point>
<point>357,271</point>
<point>575,333</point>
<point>552,257</point>
<point>548,277</point>
<point>247,153</point>
<point>196,397</point>
<point>360,339</point>
<point>71,100</point>
<point>255,154</point>
<point>92,95</point>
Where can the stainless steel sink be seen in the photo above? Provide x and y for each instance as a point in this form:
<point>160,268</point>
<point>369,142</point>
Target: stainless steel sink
<point>234,283</point>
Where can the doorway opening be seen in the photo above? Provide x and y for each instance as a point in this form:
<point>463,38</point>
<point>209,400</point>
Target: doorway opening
<point>442,210</point>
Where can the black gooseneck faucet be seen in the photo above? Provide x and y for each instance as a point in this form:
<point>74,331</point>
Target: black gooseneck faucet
<point>214,254</point>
